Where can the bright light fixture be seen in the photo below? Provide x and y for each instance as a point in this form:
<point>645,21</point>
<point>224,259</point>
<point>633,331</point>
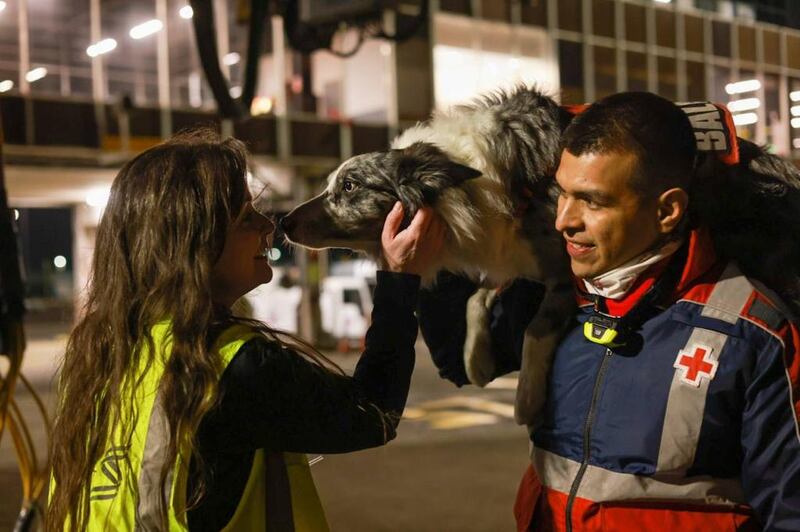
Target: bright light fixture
<point>745,104</point>
<point>101,47</point>
<point>663,1</point>
<point>796,123</point>
<point>795,110</point>
<point>796,144</point>
<point>60,261</point>
<point>146,28</point>
<point>36,74</point>
<point>745,119</point>
<point>261,105</point>
<point>98,197</point>
<point>186,12</point>
<point>2,5</point>
<point>235,91</point>
<point>231,58</point>
<point>6,85</point>
<point>794,96</point>
<point>748,85</point>
<point>16,211</point>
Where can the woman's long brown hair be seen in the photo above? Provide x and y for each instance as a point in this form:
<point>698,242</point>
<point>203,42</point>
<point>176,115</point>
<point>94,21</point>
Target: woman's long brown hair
<point>161,233</point>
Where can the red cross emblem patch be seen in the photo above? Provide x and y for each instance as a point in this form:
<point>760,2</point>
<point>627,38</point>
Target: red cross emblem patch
<point>695,363</point>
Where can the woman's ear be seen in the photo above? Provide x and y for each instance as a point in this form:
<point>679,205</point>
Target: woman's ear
<point>672,205</point>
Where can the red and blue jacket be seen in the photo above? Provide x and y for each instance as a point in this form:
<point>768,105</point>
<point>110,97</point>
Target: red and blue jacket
<point>694,426</point>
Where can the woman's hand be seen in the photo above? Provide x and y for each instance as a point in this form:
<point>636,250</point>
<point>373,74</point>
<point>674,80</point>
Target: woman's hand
<point>413,249</point>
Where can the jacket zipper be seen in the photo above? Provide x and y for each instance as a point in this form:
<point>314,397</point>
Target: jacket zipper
<point>587,434</point>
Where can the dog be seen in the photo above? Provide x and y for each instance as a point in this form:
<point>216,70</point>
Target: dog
<point>487,170</point>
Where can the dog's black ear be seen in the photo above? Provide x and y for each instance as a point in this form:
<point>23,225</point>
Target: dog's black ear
<point>426,163</point>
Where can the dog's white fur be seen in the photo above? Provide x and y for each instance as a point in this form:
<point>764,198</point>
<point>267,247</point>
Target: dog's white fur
<point>479,213</point>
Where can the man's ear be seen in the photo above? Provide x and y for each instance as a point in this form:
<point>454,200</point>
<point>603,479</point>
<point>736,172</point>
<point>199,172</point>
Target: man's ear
<point>431,166</point>
<point>672,206</point>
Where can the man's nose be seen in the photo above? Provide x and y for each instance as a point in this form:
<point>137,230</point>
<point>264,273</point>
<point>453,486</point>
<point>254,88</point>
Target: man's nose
<point>567,216</point>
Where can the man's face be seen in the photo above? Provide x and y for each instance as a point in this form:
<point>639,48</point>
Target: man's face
<point>603,219</point>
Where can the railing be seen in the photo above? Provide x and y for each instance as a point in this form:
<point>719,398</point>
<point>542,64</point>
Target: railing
<point>52,123</point>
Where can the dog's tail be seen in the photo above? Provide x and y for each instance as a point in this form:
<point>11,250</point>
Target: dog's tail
<point>753,212</point>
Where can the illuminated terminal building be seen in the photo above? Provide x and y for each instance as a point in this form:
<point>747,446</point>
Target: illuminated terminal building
<point>86,84</point>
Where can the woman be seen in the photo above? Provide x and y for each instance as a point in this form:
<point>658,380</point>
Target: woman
<point>173,412</point>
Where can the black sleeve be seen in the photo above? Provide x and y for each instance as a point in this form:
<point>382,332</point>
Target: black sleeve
<point>275,399</point>
<point>511,312</point>
<point>443,321</point>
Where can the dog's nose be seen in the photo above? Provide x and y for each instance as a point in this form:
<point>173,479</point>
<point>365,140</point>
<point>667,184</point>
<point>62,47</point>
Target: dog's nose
<point>287,224</point>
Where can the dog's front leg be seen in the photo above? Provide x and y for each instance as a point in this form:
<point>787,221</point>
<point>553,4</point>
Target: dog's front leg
<point>539,345</point>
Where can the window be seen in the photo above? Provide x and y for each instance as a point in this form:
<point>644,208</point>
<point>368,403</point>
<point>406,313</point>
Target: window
<point>570,59</point>
<point>496,10</point>
<point>667,78</point>
<point>772,47</point>
<point>721,38</point>
<point>694,33</point>
<point>605,71</point>
<point>570,15</point>
<point>695,81</point>
<point>665,28</point>
<point>603,18</point>
<point>747,43</point>
<point>534,12</point>
<point>473,56</point>
<point>637,71</point>
<point>635,23</point>
<point>793,51</point>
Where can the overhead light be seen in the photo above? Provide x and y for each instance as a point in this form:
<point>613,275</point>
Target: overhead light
<point>794,96</point>
<point>795,110</point>
<point>745,104</point>
<point>186,12</point>
<point>796,144</point>
<point>745,119</point>
<point>261,105</point>
<point>235,91</point>
<point>146,28</point>
<point>748,85</point>
<point>2,5</point>
<point>796,123</point>
<point>36,74</point>
<point>60,262</point>
<point>6,85</point>
<point>98,197</point>
<point>231,58</point>
<point>101,47</point>
<point>663,1</point>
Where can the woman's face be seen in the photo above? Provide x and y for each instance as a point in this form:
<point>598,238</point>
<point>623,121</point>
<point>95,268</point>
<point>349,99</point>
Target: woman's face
<point>243,264</point>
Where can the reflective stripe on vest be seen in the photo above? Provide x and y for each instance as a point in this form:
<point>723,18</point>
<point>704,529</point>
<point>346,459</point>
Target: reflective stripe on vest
<point>135,465</point>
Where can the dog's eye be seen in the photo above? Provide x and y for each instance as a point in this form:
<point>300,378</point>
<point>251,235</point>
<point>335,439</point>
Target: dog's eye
<point>348,185</point>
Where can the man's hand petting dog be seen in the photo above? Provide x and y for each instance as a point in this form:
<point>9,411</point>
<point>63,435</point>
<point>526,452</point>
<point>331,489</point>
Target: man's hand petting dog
<point>413,249</point>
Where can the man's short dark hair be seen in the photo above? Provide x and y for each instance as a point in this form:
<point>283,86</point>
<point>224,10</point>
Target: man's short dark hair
<point>652,128</point>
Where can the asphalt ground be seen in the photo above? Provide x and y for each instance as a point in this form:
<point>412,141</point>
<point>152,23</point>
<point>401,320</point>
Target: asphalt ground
<point>454,466</point>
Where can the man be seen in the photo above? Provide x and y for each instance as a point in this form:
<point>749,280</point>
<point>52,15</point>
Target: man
<point>672,402</point>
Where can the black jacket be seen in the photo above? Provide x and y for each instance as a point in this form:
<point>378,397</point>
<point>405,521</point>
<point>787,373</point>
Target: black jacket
<point>273,398</point>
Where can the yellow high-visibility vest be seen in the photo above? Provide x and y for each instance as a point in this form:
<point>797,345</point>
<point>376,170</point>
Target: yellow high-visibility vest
<point>125,481</point>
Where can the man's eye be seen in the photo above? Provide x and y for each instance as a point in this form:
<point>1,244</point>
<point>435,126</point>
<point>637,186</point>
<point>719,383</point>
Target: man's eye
<point>348,185</point>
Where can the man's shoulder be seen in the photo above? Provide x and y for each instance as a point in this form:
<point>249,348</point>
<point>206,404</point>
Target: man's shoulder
<point>730,296</point>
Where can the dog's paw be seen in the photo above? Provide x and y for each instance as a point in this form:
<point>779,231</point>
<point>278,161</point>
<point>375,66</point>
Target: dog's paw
<point>478,360</point>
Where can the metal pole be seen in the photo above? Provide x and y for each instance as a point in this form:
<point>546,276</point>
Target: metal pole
<point>98,73</point>
<point>24,67</point>
<point>163,70</point>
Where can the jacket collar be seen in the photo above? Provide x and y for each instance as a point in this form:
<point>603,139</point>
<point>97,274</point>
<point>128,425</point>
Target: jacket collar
<point>701,258</point>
